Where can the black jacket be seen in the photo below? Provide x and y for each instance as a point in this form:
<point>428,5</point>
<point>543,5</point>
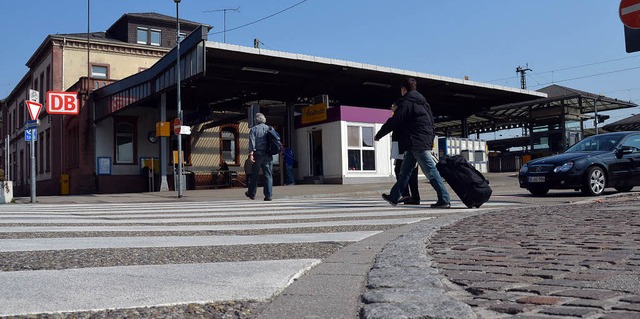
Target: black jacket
<point>411,123</point>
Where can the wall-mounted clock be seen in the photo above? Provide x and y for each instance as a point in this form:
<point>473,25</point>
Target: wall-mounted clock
<point>152,137</point>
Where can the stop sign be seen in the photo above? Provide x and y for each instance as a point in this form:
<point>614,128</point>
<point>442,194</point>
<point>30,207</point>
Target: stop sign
<point>176,126</point>
<point>630,13</point>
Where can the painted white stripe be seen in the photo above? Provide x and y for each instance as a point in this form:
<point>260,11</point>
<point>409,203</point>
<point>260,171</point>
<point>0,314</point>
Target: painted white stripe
<point>37,244</point>
<point>49,291</point>
<point>388,212</point>
<point>630,9</point>
<point>222,211</point>
<point>40,229</point>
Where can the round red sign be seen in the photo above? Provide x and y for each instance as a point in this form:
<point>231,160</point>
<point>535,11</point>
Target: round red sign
<point>630,13</point>
<point>176,126</point>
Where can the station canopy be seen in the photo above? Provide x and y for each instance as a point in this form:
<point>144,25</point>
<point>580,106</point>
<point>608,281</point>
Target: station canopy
<point>521,114</point>
<point>219,81</point>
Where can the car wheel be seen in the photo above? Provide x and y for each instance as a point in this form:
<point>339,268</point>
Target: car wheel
<point>538,190</point>
<point>624,189</point>
<point>594,182</point>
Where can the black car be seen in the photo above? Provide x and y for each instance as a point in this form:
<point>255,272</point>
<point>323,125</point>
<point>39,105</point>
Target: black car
<point>591,165</point>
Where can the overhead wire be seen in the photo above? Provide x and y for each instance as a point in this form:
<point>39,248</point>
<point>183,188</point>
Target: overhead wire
<point>574,67</point>
<point>261,19</point>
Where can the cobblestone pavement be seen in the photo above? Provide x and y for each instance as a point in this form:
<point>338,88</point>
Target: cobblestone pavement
<point>578,260</point>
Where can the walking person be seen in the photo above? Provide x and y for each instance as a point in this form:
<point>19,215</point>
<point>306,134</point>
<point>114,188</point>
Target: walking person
<point>259,157</point>
<point>410,194</point>
<point>289,161</point>
<point>413,121</point>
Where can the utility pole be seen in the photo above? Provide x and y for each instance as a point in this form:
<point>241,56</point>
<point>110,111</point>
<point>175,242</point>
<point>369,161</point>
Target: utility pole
<point>523,77</point>
<point>224,14</point>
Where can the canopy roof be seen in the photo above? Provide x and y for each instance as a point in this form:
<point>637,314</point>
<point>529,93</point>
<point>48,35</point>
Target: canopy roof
<point>233,77</point>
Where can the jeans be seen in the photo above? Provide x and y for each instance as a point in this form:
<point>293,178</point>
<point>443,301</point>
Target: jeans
<point>413,181</point>
<point>428,166</point>
<point>264,161</point>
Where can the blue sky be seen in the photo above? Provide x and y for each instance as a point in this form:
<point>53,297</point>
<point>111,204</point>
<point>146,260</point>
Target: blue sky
<point>575,43</point>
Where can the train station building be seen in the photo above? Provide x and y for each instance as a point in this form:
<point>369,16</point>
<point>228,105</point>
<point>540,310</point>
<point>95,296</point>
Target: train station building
<point>326,110</point>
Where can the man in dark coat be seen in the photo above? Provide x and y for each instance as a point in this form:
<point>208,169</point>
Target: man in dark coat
<point>413,197</point>
<point>413,123</point>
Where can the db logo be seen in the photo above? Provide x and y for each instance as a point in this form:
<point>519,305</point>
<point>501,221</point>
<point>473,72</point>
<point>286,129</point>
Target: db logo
<point>62,103</point>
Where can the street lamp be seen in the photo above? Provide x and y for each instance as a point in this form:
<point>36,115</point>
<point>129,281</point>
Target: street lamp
<point>180,159</point>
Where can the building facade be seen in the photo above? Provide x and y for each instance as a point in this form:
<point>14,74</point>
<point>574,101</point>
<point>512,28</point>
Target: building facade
<point>80,63</point>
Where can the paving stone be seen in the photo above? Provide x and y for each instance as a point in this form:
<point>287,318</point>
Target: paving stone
<point>537,289</point>
<point>538,300</point>
<point>630,307</point>
<point>565,283</point>
<point>600,304</point>
<point>620,315</point>
<point>587,294</point>
<point>568,311</point>
<point>631,299</point>
<point>588,276</point>
<point>510,308</point>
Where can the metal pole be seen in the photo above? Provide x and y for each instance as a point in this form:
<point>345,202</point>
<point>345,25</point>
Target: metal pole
<point>32,149</point>
<point>595,109</point>
<point>179,181</point>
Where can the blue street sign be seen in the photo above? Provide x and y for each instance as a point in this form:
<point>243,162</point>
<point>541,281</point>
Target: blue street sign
<point>31,124</point>
<point>31,134</point>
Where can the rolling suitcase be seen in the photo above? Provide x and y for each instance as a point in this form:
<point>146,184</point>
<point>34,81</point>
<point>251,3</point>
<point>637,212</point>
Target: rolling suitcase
<point>468,183</point>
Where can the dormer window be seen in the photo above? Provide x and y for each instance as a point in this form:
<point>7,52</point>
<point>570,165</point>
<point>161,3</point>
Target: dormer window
<point>149,36</point>
<point>143,35</point>
<point>156,36</point>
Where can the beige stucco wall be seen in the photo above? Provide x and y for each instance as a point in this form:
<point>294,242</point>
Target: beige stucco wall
<point>120,65</point>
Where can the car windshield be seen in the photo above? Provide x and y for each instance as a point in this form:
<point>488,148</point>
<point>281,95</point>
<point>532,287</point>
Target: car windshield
<point>597,143</point>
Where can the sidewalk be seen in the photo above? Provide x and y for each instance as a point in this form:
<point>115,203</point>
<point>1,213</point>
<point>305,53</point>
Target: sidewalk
<point>498,180</point>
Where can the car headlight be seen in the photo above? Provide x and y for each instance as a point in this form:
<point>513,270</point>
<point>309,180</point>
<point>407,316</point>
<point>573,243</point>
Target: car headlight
<point>524,169</point>
<point>565,167</point>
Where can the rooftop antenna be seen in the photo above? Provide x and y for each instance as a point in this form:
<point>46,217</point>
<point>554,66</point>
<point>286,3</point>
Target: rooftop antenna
<point>224,14</point>
<point>523,78</point>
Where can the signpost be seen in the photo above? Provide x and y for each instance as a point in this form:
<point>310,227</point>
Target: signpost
<point>31,134</point>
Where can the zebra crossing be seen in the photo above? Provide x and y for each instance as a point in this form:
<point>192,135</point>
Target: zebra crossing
<point>76,257</point>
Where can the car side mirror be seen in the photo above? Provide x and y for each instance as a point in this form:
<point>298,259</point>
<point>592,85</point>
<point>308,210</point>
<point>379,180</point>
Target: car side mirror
<point>622,150</point>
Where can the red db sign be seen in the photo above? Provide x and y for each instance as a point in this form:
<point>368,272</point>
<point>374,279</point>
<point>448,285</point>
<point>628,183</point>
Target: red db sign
<point>63,103</point>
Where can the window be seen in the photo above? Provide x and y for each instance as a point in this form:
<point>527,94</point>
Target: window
<point>47,147</point>
<point>125,140</point>
<point>72,139</point>
<point>99,71</point>
<point>40,153</point>
<point>142,35</point>
<point>228,145</point>
<point>633,142</point>
<point>156,36</point>
<point>360,148</point>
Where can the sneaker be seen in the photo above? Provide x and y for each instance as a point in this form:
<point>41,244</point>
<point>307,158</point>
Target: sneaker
<point>404,199</point>
<point>412,202</point>
<point>267,199</point>
<point>441,205</point>
<point>388,199</point>
<point>247,194</point>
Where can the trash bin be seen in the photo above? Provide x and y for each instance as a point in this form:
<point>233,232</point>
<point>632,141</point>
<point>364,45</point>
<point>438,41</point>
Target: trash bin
<point>190,179</point>
<point>64,184</point>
